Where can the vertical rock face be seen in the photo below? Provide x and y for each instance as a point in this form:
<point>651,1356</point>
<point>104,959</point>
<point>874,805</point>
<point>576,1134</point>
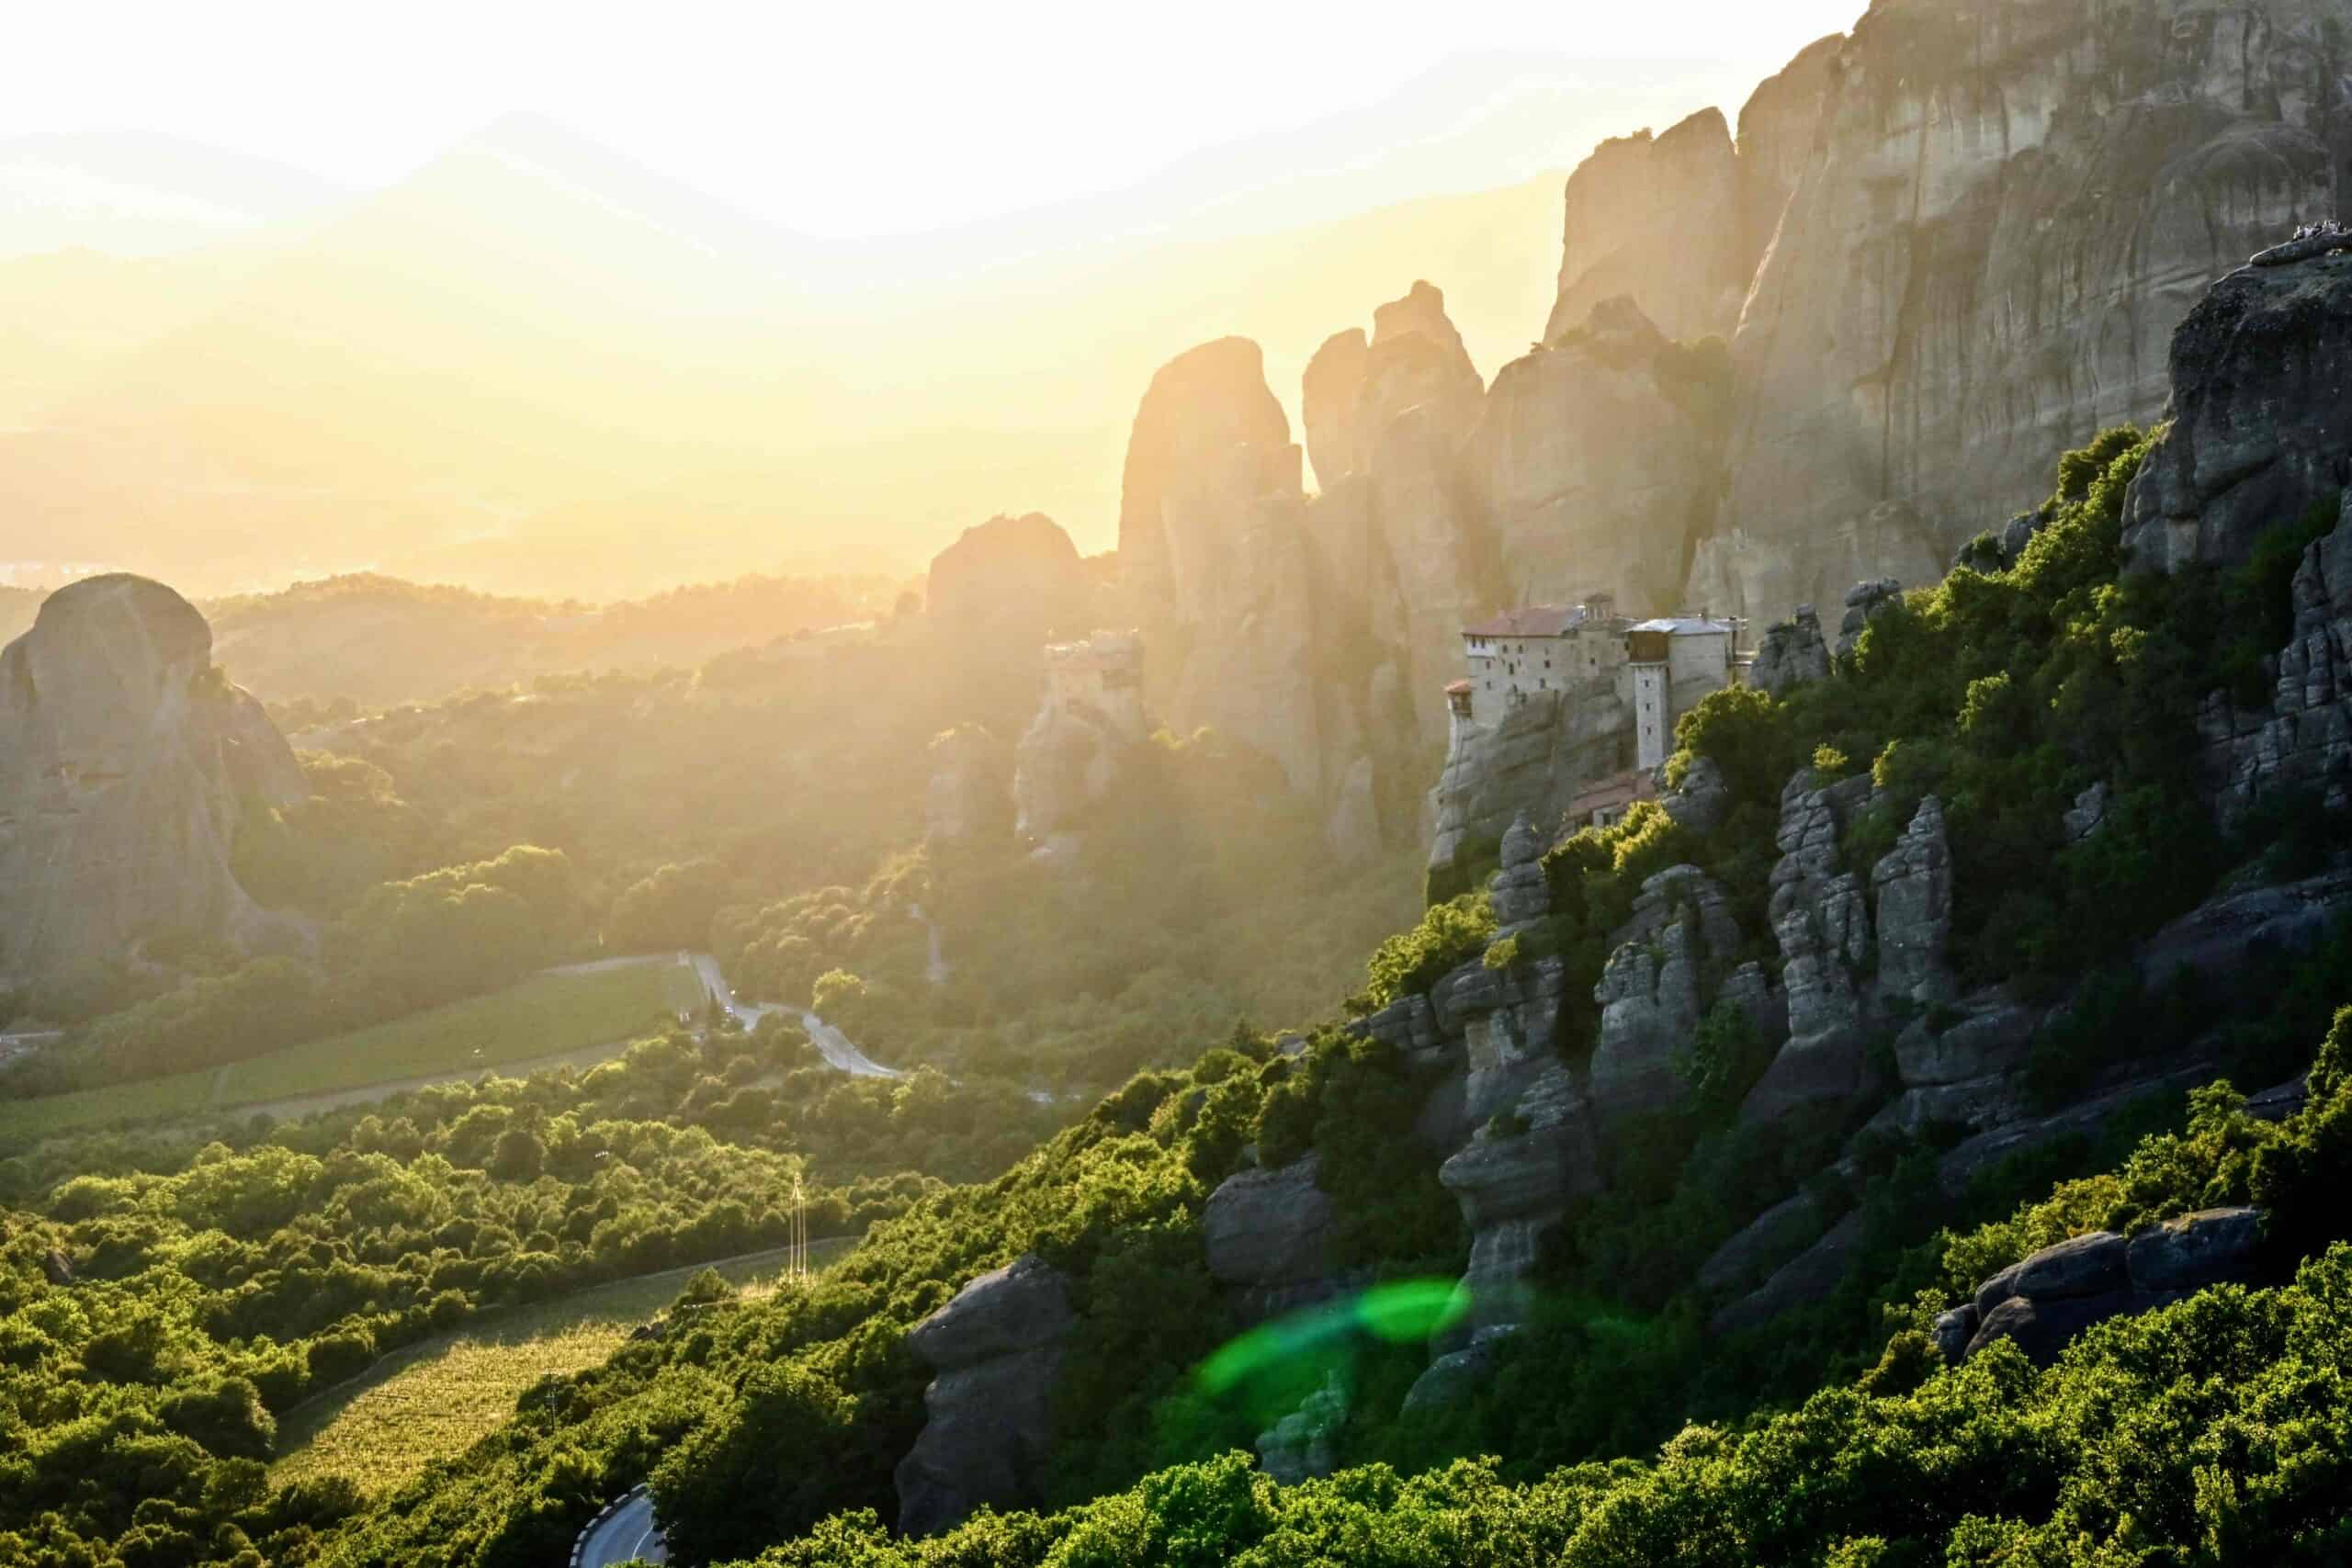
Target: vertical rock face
<point>1821,921</point>
<point>1597,457</point>
<point>2008,207</point>
<point>2302,744</point>
<point>1404,544</point>
<point>1776,131</point>
<point>998,1349</point>
<point>1913,887</point>
<point>1529,762</point>
<point>1214,546</point>
<point>127,763</point>
<point>1656,986</point>
<point>1655,217</point>
<point>1068,763</point>
<point>2261,416</point>
<point>969,798</point>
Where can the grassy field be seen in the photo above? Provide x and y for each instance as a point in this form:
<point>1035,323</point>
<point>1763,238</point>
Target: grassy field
<point>438,1398</point>
<point>545,1014</point>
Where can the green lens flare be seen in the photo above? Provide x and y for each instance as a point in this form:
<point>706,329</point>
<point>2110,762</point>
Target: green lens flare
<point>1395,1314</point>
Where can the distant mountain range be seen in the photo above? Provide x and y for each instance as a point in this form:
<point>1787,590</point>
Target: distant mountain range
<point>537,366</point>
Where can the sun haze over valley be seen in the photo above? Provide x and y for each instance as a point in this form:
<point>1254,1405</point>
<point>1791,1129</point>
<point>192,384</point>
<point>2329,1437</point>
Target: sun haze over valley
<point>1044,785</point>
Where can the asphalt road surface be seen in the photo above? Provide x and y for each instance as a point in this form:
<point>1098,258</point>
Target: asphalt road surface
<point>628,1532</point>
<point>830,1043</point>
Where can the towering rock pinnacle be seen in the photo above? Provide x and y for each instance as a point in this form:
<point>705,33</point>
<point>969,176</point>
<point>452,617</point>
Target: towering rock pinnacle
<point>1214,545</point>
<point>2006,210</point>
<point>1656,219</point>
<point>127,762</point>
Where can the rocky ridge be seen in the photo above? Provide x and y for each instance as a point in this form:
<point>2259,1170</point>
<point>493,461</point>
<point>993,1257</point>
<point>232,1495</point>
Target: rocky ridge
<point>128,764</point>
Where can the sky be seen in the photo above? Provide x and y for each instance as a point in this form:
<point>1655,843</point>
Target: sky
<point>841,121</point>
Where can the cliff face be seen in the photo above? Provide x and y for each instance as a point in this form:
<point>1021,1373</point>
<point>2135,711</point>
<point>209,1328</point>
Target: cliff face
<point>1943,251</point>
<point>127,762</point>
<point>2008,207</point>
<point>1653,218</point>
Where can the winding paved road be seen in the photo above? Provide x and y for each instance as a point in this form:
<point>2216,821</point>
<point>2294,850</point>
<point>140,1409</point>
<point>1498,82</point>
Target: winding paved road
<point>623,1533</point>
<point>830,1043</point>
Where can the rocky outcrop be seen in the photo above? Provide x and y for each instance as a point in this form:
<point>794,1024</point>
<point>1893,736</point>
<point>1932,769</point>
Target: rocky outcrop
<point>1821,920</point>
<point>1011,581</point>
<point>1514,1181</point>
<point>1807,1278</point>
<point>2041,1302</point>
<point>2261,417</point>
<point>1400,533</point>
<point>1792,654</point>
<point>1068,761</point>
<point>128,763</point>
<point>1215,551</point>
<point>1702,800</point>
<point>1305,1443</point>
<point>1653,218</point>
<point>969,799</point>
<point>1270,1229</point>
<point>997,1349</point>
<point>2302,746</point>
<point>2005,213</point>
<point>1914,890</point>
<point>1657,985</point>
<point>1598,459</point>
<point>1530,763</point>
<point>1863,602</point>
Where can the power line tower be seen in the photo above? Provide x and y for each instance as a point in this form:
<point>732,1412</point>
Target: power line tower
<point>795,1265</point>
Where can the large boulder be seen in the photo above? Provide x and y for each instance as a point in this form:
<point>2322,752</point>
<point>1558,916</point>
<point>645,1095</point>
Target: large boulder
<point>998,1349</point>
<point>1793,653</point>
<point>2041,1302</point>
<point>1269,1227</point>
<point>128,764</point>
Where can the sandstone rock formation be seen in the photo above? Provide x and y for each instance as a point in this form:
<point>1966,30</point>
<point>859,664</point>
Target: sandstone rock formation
<point>1655,218</point>
<point>2005,211</point>
<point>1528,764</point>
<point>1269,1234</point>
<point>1598,459</point>
<point>969,798</point>
<point>2261,416</point>
<point>1669,963</point>
<point>1304,1443</point>
<point>2302,745</point>
<point>2043,1301</point>
<point>1913,885</point>
<point>1821,920</point>
<point>996,1348</point>
<point>1791,654</point>
<point>1011,580</point>
<point>1067,762</point>
<point>127,763</point>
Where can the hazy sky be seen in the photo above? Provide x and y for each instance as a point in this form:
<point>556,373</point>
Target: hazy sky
<point>835,118</point>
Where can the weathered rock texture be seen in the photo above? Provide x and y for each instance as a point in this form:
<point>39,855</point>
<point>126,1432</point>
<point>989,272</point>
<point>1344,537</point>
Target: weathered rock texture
<point>1653,217</point>
<point>2041,1302</point>
<point>127,763</point>
<point>2302,744</point>
<point>2007,208</point>
<point>996,1348</point>
<point>1067,762</point>
<point>1792,653</point>
<point>1281,622</point>
<point>1598,457</point>
<point>969,798</point>
<point>2261,416</point>
<point>1528,764</point>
